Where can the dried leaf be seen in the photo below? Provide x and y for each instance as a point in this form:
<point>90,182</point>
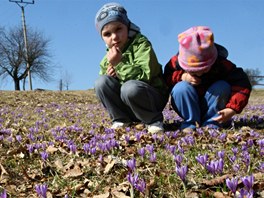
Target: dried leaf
<point>51,149</point>
<point>118,194</point>
<point>109,166</point>
<point>74,172</point>
<point>106,195</point>
<point>220,195</point>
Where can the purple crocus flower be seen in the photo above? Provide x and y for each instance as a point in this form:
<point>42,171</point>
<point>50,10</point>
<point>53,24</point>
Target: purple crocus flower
<point>236,167</point>
<point>141,152</point>
<point>232,184</point>
<point>127,139</point>
<point>131,164</point>
<point>153,157</point>
<point>150,148</point>
<point>215,166</point>
<point>30,148</point>
<point>44,155</point>
<point>92,150</point>
<point>3,194</point>
<point>246,158</point>
<point>235,150</point>
<point>261,143</point>
<point>261,167</point>
<point>171,148</point>
<point>202,159</point>
<point>132,179</point>
<point>42,190</point>
<point>221,154</point>
<point>138,136</point>
<point>19,138</point>
<point>141,185</point>
<point>175,134</point>
<point>248,181</point>
<point>232,158</point>
<point>223,136</point>
<point>155,136</point>
<point>86,147</point>
<point>178,159</point>
<point>181,172</point>
<point>72,147</point>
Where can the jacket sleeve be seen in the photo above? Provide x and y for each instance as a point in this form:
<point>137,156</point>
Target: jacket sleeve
<point>240,86</point>
<point>172,72</point>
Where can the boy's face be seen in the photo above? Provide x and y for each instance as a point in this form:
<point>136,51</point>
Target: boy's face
<point>115,34</point>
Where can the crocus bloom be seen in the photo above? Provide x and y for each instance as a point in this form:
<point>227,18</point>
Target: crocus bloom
<point>141,152</point>
<point>248,181</point>
<point>41,190</point>
<point>202,159</point>
<point>221,154</point>
<point>44,155</point>
<point>153,157</point>
<point>216,166</point>
<point>3,194</point>
<point>141,185</point>
<point>261,167</point>
<point>19,138</point>
<point>132,179</point>
<point>178,159</point>
<point>131,164</point>
<point>181,172</point>
<point>232,184</point>
<point>86,147</point>
<point>235,150</point>
<point>127,138</point>
<point>222,137</point>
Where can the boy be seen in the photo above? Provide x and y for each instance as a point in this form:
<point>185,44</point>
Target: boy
<point>130,86</point>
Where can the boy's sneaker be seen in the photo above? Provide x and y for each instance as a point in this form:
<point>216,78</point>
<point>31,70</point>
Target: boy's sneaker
<point>155,127</point>
<point>118,125</point>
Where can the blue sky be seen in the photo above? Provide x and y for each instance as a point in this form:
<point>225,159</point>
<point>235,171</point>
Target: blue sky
<point>77,48</point>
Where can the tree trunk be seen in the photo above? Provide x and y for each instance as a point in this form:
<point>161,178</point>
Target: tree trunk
<point>17,85</point>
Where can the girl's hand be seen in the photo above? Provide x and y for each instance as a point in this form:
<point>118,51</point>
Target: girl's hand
<point>194,80</point>
<point>224,115</point>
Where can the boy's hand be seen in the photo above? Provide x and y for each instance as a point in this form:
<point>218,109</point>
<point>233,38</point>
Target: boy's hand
<point>111,71</point>
<point>224,115</point>
<point>114,55</point>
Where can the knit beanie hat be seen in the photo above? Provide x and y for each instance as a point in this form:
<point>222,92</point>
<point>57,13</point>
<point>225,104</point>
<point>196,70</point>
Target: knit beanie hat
<point>197,51</point>
<point>108,13</point>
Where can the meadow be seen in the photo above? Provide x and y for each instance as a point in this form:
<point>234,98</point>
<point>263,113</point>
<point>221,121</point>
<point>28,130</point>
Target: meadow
<point>59,144</point>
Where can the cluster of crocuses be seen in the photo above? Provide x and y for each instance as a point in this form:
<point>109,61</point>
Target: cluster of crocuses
<point>133,177</point>
<point>247,191</point>
<point>41,190</point>
<point>103,142</point>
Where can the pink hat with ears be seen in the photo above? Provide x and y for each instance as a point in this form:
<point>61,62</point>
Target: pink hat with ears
<point>197,51</point>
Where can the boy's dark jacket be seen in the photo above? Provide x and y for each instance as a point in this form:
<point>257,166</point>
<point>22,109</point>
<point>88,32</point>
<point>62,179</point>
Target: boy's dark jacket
<point>222,69</point>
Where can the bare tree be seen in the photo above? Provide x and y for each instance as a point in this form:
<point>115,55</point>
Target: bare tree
<point>13,62</point>
<point>254,76</point>
<point>67,79</point>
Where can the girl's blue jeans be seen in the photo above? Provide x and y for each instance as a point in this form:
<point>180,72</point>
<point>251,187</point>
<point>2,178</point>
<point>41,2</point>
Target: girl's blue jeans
<point>186,102</point>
